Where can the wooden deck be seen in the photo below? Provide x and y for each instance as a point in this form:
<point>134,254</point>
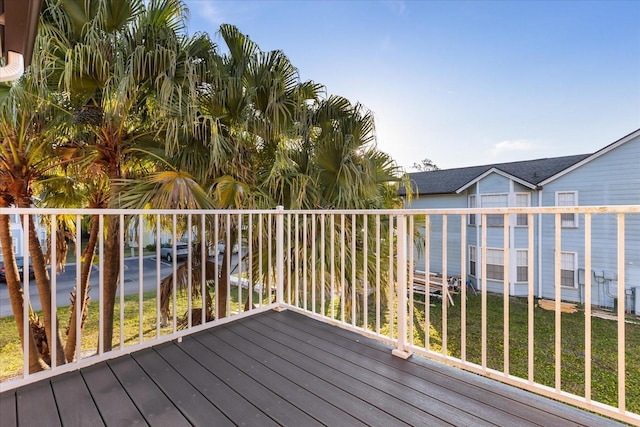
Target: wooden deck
<point>278,369</point>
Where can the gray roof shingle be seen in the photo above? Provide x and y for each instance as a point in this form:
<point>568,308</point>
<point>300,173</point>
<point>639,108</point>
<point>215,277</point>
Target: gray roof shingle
<point>447,181</point>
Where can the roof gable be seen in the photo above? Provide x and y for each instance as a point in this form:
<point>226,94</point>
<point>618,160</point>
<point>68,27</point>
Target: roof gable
<point>633,135</point>
<point>529,173</point>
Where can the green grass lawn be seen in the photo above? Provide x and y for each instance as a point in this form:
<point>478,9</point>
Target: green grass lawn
<point>11,358</point>
<point>604,344</point>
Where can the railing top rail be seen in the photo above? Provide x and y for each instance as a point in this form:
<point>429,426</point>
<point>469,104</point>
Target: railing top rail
<point>447,211</point>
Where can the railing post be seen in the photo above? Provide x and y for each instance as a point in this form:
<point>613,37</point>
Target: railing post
<point>401,287</point>
<point>280,258</point>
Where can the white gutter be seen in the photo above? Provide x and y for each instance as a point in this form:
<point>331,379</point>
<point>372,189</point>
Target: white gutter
<point>14,68</point>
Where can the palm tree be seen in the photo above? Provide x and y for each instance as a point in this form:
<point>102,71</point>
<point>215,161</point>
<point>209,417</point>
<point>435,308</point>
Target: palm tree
<point>26,123</point>
<point>125,65</point>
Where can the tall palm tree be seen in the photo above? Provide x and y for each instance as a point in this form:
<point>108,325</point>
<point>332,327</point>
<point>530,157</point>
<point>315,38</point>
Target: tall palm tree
<point>26,123</point>
<point>124,64</point>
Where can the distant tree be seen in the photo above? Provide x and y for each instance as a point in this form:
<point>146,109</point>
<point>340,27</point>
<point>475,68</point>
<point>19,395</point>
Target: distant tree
<point>425,165</point>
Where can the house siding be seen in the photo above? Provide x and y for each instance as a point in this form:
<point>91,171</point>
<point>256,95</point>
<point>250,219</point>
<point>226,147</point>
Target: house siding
<point>435,233</point>
<point>611,179</point>
<point>610,176</point>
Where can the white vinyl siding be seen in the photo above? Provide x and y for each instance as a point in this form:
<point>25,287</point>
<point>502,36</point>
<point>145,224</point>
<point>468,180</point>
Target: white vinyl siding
<point>568,198</point>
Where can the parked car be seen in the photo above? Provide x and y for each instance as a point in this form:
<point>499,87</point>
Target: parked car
<point>166,251</point>
<point>221,246</point>
<point>20,263</point>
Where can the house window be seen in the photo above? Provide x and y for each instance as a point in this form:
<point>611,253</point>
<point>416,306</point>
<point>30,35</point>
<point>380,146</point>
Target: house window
<point>522,266</point>
<point>522,201</point>
<point>494,201</point>
<point>568,198</point>
<point>472,260</point>
<point>568,267</point>
<point>495,264</point>
<point>472,204</point>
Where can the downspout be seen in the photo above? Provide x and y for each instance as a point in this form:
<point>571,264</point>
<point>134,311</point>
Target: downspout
<point>14,68</point>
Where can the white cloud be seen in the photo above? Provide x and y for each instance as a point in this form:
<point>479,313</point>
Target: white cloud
<point>205,11</point>
<point>512,146</point>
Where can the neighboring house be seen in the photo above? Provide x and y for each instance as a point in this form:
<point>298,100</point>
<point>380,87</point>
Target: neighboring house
<point>610,176</point>
<point>17,235</point>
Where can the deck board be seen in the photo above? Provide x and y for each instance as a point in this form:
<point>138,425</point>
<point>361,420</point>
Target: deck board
<point>400,401</point>
<point>298,396</point>
<point>462,395</point>
<point>359,409</point>
<point>36,403</point>
<point>270,403</point>
<point>154,405</point>
<point>189,401</point>
<point>8,415</point>
<point>399,382</point>
<point>469,387</point>
<point>278,368</point>
<point>74,401</point>
<point>232,404</point>
<point>112,401</point>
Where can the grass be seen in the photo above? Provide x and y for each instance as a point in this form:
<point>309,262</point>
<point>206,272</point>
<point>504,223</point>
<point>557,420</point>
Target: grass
<point>11,359</point>
<point>604,344</point>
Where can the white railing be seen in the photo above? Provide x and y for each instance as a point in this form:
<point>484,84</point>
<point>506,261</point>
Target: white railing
<point>411,278</point>
<point>495,327</point>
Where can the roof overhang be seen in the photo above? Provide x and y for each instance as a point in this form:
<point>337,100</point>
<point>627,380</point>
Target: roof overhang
<point>18,30</point>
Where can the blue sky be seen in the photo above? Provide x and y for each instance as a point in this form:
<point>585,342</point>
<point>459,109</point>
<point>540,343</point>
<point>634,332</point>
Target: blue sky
<point>461,82</point>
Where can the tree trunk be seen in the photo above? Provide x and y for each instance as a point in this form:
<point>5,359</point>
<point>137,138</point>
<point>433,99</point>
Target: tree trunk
<point>83,292</point>
<point>223,285</point>
<point>44,290</point>
<point>110,278</point>
<point>16,296</point>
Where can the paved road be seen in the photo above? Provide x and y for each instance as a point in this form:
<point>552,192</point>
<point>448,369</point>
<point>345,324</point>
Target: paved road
<point>65,282</point>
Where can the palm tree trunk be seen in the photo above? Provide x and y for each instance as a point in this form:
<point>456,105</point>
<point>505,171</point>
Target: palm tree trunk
<point>44,290</point>
<point>223,285</point>
<point>83,292</point>
<point>16,296</point>
<point>111,272</point>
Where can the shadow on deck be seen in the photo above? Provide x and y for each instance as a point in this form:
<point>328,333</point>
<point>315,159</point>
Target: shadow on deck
<point>278,369</point>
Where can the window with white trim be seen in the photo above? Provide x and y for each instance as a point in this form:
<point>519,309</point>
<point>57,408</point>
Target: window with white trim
<point>568,198</point>
<point>494,201</point>
<point>568,268</point>
<point>471,218</point>
<point>495,264</point>
<point>522,266</point>
<point>473,257</point>
<point>522,201</point>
